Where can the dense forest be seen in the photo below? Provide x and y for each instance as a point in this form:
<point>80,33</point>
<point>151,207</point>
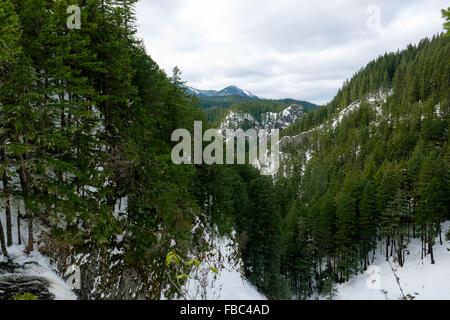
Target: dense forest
<point>86,120</point>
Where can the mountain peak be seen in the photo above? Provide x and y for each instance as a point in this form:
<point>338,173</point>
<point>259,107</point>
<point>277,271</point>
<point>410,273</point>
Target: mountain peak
<point>228,91</point>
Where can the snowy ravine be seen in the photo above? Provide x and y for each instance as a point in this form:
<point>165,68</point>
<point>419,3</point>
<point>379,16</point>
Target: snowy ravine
<point>419,279</point>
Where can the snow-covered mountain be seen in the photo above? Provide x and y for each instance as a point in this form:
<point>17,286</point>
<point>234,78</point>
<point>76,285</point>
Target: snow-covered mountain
<point>228,91</point>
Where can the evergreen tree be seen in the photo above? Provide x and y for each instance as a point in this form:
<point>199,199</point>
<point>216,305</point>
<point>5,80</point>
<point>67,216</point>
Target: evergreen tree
<point>446,16</point>
<point>9,33</point>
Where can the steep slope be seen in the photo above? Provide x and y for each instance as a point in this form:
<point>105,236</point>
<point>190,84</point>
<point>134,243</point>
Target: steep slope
<point>374,101</point>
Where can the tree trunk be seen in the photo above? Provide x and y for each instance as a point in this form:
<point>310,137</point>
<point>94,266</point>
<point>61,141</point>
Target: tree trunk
<point>365,261</point>
<point>19,237</point>
<point>387,248</point>
<point>392,246</point>
<point>8,206</point>
<point>430,249</point>
<point>8,223</point>
<point>2,241</point>
<point>422,239</point>
<point>25,179</point>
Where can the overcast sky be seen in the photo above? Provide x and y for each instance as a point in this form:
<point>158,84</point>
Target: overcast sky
<point>301,49</point>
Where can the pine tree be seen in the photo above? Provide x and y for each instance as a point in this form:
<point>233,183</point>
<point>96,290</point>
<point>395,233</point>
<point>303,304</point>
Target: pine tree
<point>431,192</point>
<point>324,230</point>
<point>9,49</point>
<point>347,212</point>
<point>367,222</point>
<point>263,229</point>
<point>446,16</point>
<point>9,33</point>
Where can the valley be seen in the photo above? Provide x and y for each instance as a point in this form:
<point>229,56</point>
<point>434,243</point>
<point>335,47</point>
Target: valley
<point>93,205</point>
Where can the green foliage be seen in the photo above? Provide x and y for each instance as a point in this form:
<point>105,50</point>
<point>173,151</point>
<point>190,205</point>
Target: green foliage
<point>24,296</point>
<point>182,272</point>
<point>86,120</point>
<point>446,16</point>
<point>327,287</point>
<point>9,32</point>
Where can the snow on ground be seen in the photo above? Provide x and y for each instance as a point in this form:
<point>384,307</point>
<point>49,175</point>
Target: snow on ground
<point>345,112</point>
<point>418,278</point>
<point>229,284</point>
<point>230,280</point>
<point>375,99</point>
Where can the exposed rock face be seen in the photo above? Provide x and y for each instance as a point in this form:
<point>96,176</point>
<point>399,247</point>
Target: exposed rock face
<point>289,115</point>
<point>268,121</point>
<point>103,274</point>
<point>13,282</point>
<point>292,140</point>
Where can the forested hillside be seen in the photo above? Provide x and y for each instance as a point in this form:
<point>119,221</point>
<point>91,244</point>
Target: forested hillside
<point>379,170</point>
<point>417,73</point>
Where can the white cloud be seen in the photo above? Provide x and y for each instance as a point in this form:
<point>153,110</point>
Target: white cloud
<point>302,49</point>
